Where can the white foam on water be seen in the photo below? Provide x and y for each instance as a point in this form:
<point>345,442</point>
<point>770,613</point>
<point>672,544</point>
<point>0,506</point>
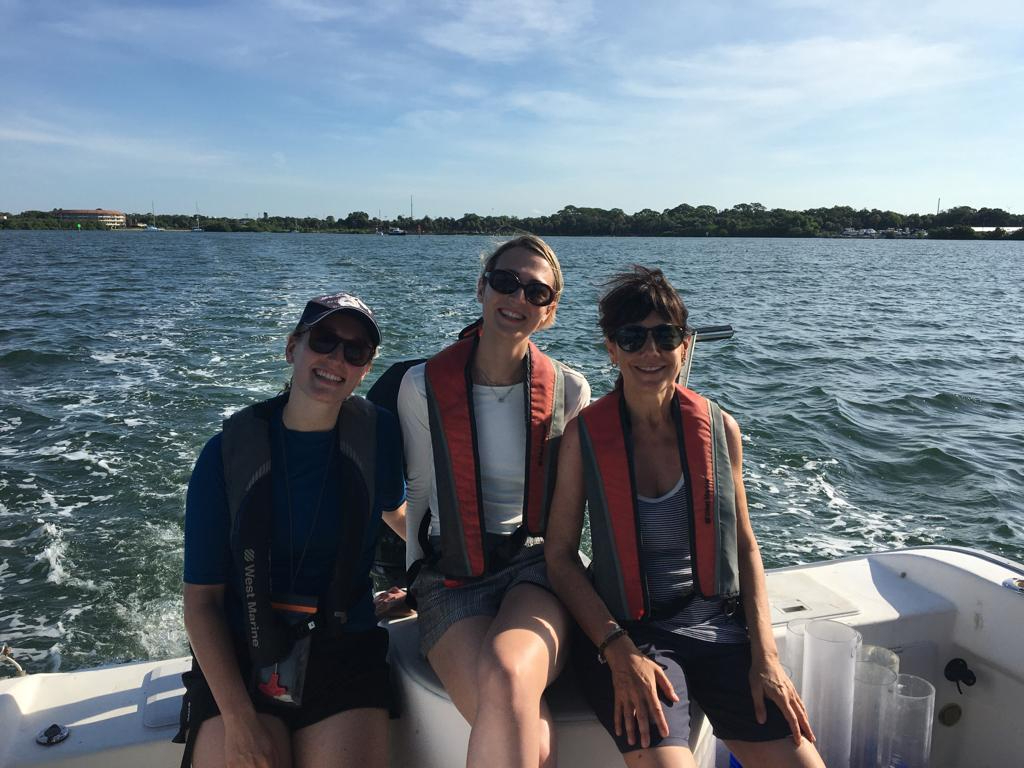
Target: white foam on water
<point>11,424</point>
<point>54,449</point>
<point>834,499</point>
<point>134,422</point>
<point>83,455</point>
<point>87,398</point>
<point>53,554</point>
<point>49,499</point>
<point>107,358</point>
<point>163,632</point>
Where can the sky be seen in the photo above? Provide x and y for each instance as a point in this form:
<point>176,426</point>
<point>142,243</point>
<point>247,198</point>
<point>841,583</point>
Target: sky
<point>314,108</point>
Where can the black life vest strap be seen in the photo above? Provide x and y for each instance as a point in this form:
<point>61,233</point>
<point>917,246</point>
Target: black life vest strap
<point>345,591</point>
<point>267,636</point>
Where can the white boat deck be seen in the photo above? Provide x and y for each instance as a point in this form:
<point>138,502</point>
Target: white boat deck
<point>929,604</point>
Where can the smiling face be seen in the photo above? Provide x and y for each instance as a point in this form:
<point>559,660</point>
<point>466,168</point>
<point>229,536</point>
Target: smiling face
<point>511,314</point>
<point>649,369</point>
<point>326,379</point>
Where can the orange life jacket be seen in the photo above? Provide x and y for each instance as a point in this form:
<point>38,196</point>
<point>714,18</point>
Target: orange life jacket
<point>606,443</point>
<point>456,458</point>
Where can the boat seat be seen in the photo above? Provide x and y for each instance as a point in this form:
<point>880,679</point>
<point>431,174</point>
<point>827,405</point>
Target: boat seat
<point>432,731</point>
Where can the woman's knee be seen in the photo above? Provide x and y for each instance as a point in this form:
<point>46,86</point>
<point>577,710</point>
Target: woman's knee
<point>508,680</point>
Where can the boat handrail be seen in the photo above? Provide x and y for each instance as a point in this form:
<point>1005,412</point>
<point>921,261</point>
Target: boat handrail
<point>978,553</point>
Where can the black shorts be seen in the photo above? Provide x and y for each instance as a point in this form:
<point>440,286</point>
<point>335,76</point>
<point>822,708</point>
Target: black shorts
<point>715,675</point>
<point>350,672</point>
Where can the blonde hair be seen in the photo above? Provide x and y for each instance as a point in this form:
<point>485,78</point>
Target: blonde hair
<point>534,245</point>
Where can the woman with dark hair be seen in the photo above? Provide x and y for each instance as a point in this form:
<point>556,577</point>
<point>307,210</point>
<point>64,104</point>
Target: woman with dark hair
<point>481,423</point>
<point>676,564</point>
<point>281,521</point>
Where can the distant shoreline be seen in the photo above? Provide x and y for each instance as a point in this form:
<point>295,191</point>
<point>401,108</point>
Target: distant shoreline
<point>743,220</point>
<point>997,235</point>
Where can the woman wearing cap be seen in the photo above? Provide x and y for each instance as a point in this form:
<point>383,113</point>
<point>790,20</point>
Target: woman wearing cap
<point>481,422</point>
<point>281,519</point>
<point>659,468</point>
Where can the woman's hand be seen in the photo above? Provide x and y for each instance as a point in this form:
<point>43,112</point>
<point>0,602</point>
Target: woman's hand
<point>247,744</point>
<point>391,604</point>
<point>768,678</point>
<point>637,681</point>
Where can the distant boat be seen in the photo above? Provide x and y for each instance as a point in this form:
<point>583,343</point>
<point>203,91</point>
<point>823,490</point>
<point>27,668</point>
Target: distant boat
<point>195,222</point>
<point>396,231</point>
<point>152,227</point>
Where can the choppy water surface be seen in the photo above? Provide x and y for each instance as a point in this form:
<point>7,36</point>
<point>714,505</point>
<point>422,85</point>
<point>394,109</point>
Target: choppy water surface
<point>877,384</point>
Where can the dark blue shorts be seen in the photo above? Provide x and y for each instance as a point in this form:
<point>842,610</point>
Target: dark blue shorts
<point>348,672</point>
<point>715,675</point>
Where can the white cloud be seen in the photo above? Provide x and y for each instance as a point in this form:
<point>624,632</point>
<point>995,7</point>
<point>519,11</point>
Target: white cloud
<point>823,72</point>
<point>502,31</point>
<point>564,107</point>
<point>156,151</point>
<point>309,10</point>
<point>429,120</point>
<point>464,90</point>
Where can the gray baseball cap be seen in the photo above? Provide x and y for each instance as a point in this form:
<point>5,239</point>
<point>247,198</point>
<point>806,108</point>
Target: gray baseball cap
<point>324,306</point>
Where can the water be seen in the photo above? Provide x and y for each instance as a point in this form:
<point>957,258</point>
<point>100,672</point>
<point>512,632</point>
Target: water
<point>877,384</point>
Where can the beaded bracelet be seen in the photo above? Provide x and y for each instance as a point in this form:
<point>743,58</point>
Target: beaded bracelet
<point>611,637</point>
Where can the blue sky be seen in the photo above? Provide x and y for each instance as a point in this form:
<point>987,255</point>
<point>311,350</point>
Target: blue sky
<point>304,107</point>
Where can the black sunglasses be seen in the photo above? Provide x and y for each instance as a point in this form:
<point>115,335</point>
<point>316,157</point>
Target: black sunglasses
<point>508,282</point>
<point>357,352</point>
<point>631,338</point>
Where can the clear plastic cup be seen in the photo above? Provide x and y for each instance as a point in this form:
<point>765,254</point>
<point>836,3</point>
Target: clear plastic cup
<point>830,658</point>
<point>874,687</point>
<point>910,717</point>
<point>880,655</point>
<point>793,650</point>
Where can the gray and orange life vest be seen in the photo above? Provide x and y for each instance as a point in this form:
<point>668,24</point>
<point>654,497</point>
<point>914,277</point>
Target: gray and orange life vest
<point>453,433</point>
<point>245,453</point>
<point>606,442</point>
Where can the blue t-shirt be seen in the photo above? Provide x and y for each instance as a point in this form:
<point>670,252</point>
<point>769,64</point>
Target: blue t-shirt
<point>310,483</point>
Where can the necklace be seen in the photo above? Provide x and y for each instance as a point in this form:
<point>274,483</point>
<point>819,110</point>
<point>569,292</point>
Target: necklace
<point>293,568</point>
<point>501,398</point>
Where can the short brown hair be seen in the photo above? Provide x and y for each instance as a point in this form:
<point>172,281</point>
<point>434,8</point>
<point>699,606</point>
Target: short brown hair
<point>535,245</point>
<point>631,296</point>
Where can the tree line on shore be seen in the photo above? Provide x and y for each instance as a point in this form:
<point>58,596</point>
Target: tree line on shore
<point>743,220</point>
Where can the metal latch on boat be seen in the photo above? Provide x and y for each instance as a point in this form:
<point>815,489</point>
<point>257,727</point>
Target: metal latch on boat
<point>55,734</point>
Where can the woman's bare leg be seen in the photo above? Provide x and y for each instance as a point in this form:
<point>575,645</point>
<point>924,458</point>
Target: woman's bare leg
<point>660,757</point>
<point>781,753</point>
<point>209,747</point>
<point>454,660</point>
<point>523,652</point>
<point>357,738</point>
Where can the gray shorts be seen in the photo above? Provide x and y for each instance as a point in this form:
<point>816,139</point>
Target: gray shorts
<point>440,607</point>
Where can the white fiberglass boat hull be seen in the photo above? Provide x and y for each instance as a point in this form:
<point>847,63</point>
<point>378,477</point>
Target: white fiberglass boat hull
<point>929,604</point>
